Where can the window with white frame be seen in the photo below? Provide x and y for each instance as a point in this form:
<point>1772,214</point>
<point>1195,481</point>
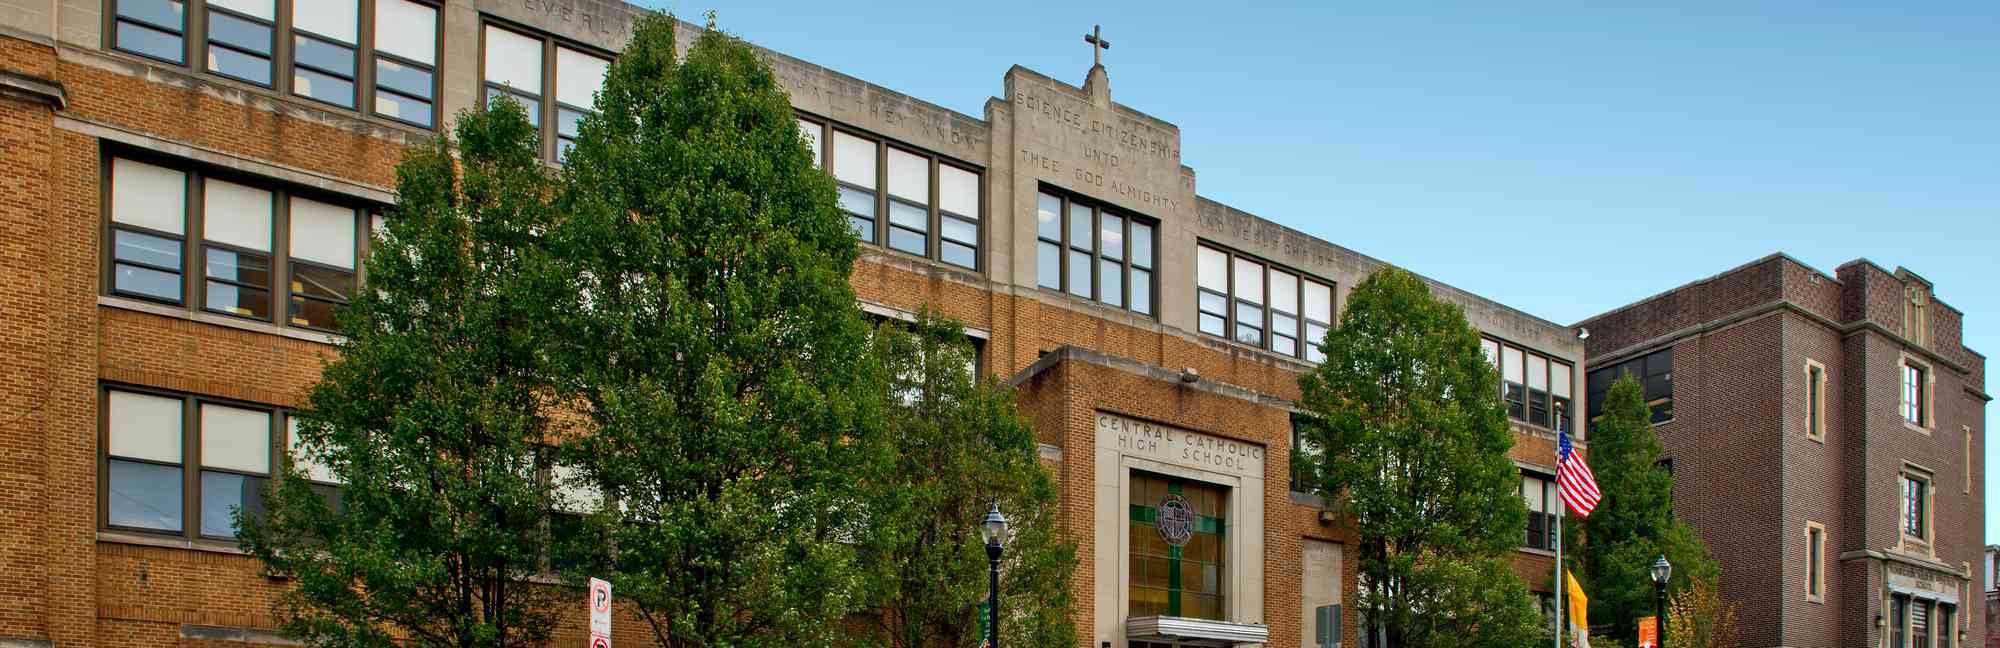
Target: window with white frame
<point>240,259</point>
<point>1262,304</point>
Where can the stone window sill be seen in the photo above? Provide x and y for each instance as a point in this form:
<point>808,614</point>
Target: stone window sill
<point>167,542</point>
<point>182,313</point>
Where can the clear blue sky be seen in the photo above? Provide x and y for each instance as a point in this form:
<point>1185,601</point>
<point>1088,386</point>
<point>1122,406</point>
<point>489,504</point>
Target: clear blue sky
<point>1562,158</point>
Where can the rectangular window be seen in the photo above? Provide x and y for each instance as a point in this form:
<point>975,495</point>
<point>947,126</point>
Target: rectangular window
<point>235,465</point>
<point>325,36</point>
<point>148,225</point>
<point>578,78</point>
<point>311,464</point>
<point>815,137</point>
<point>1915,383</point>
<point>405,60</point>
<point>1534,387</point>
<point>555,83</point>
<point>854,170</point>
<point>241,39</point>
<point>1815,561</point>
<point>1284,312</point>
<point>513,69</point>
<point>1212,290</point>
<point>1188,575</point>
<point>1094,252</point>
<point>1561,381</point>
<point>151,28</point>
<point>1920,623</point>
<point>1538,390</point>
<point>1916,506</point>
<point>1899,620</point>
<point>1947,634</point>
<point>1655,373</point>
<point>1303,480</point>
<point>322,268</point>
<point>236,259</point>
<point>1319,318</point>
<point>1513,374</point>
<point>1539,491</point>
<point>143,475</point>
<point>958,216</point>
<point>1247,286</point>
<point>1257,303</point>
<point>1815,401</point>
<point>909,202</point>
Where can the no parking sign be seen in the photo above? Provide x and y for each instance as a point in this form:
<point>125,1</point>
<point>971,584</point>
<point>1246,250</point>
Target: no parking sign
<point>600,614</point>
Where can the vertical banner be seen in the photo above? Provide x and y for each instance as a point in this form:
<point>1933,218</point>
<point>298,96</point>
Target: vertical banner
<point>1649,632</point>
<point>600,614</point>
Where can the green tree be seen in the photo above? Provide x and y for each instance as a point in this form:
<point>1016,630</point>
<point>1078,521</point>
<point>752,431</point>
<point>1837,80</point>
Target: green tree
<point>430,417</point>
<point>962,446</point>
<point>1635,522</point>
<point>714,351</point>
<point>1415,454</point>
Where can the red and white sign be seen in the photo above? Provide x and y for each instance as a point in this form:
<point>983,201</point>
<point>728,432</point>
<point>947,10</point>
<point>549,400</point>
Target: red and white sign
<point>600,614</point>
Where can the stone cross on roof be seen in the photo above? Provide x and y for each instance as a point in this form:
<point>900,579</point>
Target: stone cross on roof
<point>1098,44</point>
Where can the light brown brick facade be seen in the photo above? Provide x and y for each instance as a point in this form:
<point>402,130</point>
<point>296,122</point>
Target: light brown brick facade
<point>1749,476</point>
<point>72,101</point>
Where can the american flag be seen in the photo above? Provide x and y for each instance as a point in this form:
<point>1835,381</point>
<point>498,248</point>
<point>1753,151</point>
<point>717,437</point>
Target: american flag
<point>1574,482</point>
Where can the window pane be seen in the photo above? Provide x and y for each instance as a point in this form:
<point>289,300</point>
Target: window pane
<point>236,215</point>
<point>1079,273</point>
<point>148,196</point>
<point>150,42</point>
<point>909,176</point>
<point>857,202</point>
<point>1286,325</point>
<point>569,123</point>
<point>1048,217</point>
<point>338,19</point>
<point>578,76</point>
<point>1213,303</point>
<point>1142,244</point>
<point>1249,323</point>
<point>394,105</point>
<point>1080,226</point>
<point>907,241</point>
<point>145,248</point>
<point>238,32</point>
<point>1048,265</point>
<point>1560,379</point>
<point>333,90</point>
<point>958,190</point>
<point>1284,291</point>
<point>406,29</point>
<point>1212,269</point>
<point>1249,281</point>
<point>908,215</point>
<point>303,460</point>
<point>811,131</point>
<point>235,438</point>
<point>957,254</point>
<point>863,228</point>
<point>323,283</point>
<point>409,80</point>
<point>957,229</point>
<point>1211,324</point>
<point>144,426</point>
<point>854,160</point>
<point>239,267</point>
<point>315,313</point>
<point>1319,301</point>
<point>1111,231</point>
<point>164,13</point>
<point>1315,334</point>
<point>1513,371</point>
<point>231,63</point>
<point>239,300</point>
<point>322,233</point>
<point>513,60</point>
<point>529,103</point>
<point>222,494</point>
<point>1284,344</point>
<point>146,281</point>
<point>324,56</point>
<point>1491,350</point>
<point>144,496</point>
<point>1110,274</point>
<point>1142,291</point>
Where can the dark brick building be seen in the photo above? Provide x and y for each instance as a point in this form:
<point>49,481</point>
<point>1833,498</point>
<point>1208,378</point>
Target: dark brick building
<point>1826,435</point>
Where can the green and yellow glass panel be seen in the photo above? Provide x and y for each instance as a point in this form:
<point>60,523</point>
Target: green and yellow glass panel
<point>1179,581</point>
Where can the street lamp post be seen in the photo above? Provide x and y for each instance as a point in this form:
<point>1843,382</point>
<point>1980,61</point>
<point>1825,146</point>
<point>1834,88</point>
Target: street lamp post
<point>994,530</point>
<point>1662,570</point>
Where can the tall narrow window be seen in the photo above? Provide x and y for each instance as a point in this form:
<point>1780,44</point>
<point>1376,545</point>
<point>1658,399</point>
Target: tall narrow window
<point>1212,290</point>
<point>235,466</point>
<point>1560,383</point>
<point>1916,505</point>
<point>1915,383</point>
<point>1538,389</point>
<point>815,136</point>
<point>578,77</point>
<point>1815,562</point>
<point>1080,242</point>
<point>854,161</point>
<point>909,202</point>
<point>1247,281</point>
<point>324,37</point>
<point>1947,634</point>
<point>310,463</point>
<point>514,70</point>
<point>236,249</point>
<point>148,226</point>
<point>143,461</point>
<point>1142,268</point>
<point>152,28</point>
<point>1111,258</point>
<point>1539,492</point>
<point>1319,318</point>
<point>240,39</point>
<point>1899,620</point>
<point>405,61</point>
<point>322,261</point>
<point>958,216</point>
<point>1513,374</point>
<point>1815,401</point>
<point>1284,312</point>
<point>1920,623</point>
<point>1048,241</point>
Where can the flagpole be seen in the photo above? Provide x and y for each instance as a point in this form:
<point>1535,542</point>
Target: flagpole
<point>1560,583</point>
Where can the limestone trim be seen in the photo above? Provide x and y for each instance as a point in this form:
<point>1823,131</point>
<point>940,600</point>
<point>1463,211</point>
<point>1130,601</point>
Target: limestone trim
<point>282,173</point>
<point>33,88</point>
<point>1815,415</point>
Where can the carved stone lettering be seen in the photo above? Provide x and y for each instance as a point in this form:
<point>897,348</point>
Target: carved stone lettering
<point>1180,447</point>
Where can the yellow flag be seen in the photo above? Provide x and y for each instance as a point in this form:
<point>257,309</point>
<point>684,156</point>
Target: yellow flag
<point>1579,611</point>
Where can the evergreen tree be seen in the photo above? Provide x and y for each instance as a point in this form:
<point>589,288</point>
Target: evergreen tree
<point>726,399</point>
<point>962,446</point>
<point>1635,522</point>
<point>1416,444</point>
<point>430,417</point>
